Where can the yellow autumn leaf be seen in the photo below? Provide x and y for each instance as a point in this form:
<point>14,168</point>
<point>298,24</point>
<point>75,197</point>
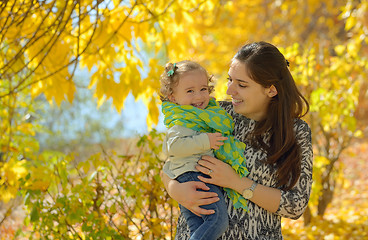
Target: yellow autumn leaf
<point>11,173</point>
<point>153,111</point>
<point>353,49</point>
<point>350,23</point>
<point>340,49</point>
<point>26,128</point>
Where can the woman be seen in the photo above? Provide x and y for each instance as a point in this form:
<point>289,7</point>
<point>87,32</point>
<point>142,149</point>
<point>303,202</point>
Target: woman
<point>266,107</point>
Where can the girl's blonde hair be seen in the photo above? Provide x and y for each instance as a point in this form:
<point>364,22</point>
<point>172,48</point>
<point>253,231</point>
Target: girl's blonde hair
<point>172,73</point>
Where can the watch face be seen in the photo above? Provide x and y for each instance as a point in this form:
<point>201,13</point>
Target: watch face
<point>247,194</point>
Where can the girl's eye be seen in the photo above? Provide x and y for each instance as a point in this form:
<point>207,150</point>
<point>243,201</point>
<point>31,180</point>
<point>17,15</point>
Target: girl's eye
<point>189,91</point>
<point>242,86</point>
<point>204,89</point>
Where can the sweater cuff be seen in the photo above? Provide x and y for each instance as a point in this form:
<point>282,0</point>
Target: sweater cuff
<point>205,140</point>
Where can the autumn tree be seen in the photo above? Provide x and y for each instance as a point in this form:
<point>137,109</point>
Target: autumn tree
<point>124,45</point>
<point>43,43</point>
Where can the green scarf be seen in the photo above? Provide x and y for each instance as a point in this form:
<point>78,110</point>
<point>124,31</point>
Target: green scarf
<point>212,119</point>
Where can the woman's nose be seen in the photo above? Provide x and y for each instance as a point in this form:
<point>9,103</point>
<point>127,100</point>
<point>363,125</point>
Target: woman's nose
<point>230,89</point>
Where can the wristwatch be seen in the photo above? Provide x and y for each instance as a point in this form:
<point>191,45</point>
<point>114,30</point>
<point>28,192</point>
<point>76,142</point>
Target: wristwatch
<point>248,192</point>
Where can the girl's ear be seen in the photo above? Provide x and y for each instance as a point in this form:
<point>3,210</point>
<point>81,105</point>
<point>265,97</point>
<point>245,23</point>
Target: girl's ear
<point>271,91</point>
<point>172,98</point>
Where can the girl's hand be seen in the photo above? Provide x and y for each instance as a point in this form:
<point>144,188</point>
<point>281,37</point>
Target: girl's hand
<point>221,173</point>
<point>187,195</point>
<point>216,140</point>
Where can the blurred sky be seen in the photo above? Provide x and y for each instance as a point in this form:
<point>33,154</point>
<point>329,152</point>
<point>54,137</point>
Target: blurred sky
<point>134,118</point>
<point>83,120</point>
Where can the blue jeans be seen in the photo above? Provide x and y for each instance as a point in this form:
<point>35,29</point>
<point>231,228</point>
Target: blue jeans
<point>206,227</point>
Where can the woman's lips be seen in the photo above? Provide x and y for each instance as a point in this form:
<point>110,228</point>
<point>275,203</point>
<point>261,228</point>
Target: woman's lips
<point>236,102</point>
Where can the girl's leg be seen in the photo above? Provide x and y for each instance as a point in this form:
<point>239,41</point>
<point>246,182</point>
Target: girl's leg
<point>206,227</point>
<point>193,221</point>
<point>216,224</point>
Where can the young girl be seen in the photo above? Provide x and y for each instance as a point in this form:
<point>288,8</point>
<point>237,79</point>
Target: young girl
<point>195,121</point>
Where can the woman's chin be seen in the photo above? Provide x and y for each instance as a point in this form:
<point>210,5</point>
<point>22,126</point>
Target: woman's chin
<point>238,109</point>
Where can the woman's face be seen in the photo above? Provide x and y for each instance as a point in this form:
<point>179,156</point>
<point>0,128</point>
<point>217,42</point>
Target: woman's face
<point>248,97</point>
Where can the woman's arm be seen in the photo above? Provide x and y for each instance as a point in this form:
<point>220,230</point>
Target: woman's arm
<point>289,204</point>
<point>294,202</point>
<point>225,176</point>
<point>187,194</point>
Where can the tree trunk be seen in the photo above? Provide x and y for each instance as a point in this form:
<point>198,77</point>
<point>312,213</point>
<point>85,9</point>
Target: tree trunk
<point>326,196</point>
<point>307,215</point>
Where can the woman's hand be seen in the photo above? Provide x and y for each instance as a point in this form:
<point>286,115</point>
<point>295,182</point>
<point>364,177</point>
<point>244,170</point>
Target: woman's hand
<point>221,173</point>
<point>187,194</point>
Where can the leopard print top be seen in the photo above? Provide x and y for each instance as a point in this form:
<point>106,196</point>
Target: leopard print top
<point>259,223</point>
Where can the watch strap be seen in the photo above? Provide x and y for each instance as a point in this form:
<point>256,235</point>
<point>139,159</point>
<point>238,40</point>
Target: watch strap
<point>254,185</point>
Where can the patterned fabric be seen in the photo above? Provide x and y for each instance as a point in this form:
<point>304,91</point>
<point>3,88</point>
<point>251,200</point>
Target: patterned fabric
<point>258,223</point>
<point>212,119</point>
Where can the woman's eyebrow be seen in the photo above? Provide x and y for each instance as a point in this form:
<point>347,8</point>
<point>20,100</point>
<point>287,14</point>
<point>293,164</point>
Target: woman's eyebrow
<point>240,80</point>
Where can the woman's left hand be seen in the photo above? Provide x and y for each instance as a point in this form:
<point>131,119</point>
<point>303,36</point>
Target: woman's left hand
<point>221,173</point>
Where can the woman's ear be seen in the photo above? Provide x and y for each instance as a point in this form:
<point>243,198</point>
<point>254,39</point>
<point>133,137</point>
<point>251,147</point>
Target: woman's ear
<point>271,91</point>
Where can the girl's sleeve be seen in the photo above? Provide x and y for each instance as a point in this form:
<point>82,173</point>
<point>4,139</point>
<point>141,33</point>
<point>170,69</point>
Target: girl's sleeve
<point>294,202</point>
<point>181,142</point>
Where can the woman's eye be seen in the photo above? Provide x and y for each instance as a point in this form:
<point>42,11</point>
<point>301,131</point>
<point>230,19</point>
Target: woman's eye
<point>189,91</point>
<point>204,89</point>
<point>229,80</point>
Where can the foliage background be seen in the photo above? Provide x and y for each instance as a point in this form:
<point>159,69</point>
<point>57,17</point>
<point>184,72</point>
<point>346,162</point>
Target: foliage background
<point>95,186</point>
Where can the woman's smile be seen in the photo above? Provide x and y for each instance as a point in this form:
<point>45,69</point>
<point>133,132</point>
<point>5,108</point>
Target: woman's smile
<point>237,102</point>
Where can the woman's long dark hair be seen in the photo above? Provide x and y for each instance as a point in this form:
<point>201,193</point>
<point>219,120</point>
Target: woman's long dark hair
<point>267,66</point>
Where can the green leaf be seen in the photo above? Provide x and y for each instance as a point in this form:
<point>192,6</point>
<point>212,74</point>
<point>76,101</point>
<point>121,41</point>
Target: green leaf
<point>34,214</point>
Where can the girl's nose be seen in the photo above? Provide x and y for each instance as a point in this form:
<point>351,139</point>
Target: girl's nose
<point>198,96</point>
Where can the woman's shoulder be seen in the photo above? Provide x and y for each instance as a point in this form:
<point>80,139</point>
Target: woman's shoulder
<point>225,104</point>
<point>300,123</point>
<point>228,106</point>
<point>302,129</point>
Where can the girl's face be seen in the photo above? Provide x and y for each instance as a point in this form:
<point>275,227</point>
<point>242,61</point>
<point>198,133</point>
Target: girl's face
<point>192,89</point>
<point>248,97</point>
